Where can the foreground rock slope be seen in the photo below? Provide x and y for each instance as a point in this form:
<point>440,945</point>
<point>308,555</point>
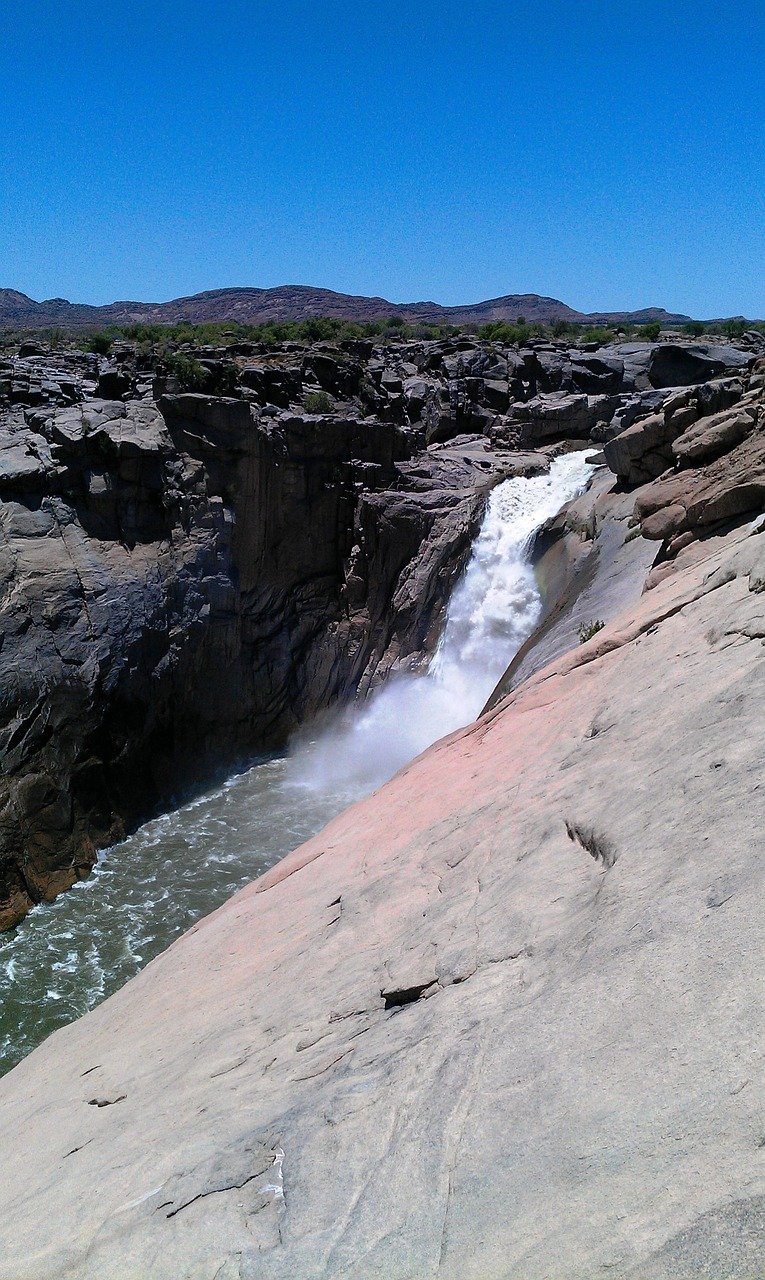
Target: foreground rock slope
<point>500,1019</point>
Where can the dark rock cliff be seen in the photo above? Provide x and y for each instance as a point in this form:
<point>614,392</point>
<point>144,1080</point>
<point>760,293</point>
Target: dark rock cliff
<point>184,583</point>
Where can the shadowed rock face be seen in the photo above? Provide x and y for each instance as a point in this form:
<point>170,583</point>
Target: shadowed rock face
<point>184,583</point>
<point>495,1021</point>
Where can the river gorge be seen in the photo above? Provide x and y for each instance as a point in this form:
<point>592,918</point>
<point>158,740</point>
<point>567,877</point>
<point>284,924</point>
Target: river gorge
<point>69,955</point>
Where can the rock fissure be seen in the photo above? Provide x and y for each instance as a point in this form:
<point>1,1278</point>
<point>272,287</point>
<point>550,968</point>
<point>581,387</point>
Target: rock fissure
<point>214,1191</point>
<point>599,846</point>
<point>395,999</point>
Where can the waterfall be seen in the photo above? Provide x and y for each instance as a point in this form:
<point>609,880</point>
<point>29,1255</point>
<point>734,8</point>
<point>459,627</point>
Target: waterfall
<point>493,610</point>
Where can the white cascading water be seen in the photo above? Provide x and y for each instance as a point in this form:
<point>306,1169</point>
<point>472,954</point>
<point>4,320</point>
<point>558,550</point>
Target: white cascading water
<point>69,954</point>
<point>494,609</point>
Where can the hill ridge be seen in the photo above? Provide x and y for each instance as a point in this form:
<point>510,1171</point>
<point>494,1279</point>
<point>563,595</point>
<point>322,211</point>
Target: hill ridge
<point>249,304</point>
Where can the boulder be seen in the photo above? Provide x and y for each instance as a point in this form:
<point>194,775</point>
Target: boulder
<point>651,366</point>
<point>635,359</point>
<point>596,374</point>
<point>642,451</point>
<point>277,384</point>
<point>711,437</point>
<point>114,384</point>
<point>334,372</point>
<point>731,487</point>
<point>496,395</point>
<point>417,392</point>
<point>634,407</point>
<point>673,365</point>
<point>718,394</point>
<point>554,416</point>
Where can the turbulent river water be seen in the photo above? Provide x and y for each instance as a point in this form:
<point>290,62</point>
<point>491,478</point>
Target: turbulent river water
<point>69,955</point>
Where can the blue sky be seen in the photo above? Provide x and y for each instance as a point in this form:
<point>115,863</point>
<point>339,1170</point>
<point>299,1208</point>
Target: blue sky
<point>608,153</point>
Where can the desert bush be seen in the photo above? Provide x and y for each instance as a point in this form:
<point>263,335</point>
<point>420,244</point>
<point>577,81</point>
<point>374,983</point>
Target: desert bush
<point>509,334</point>
<point>101,343</point>
<point>190,373</point>
<point>317,402</point>
<point>596,333</point>
<point>650,331</point>
<point>590,629</point>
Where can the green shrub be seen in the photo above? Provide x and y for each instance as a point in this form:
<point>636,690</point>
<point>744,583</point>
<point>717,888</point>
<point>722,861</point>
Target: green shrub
<point>319,329</point>
<point>509,334</point>
<point>190,373</point>
<point>101,343</point>
<point>590,629</point>
<point>734,328</point>
<point>694,328</point>
<point>317,402</point>
<point>596,333</point>
<point>651,331</point>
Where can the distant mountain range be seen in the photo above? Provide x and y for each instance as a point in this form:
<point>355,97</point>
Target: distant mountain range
<point>301,302</point>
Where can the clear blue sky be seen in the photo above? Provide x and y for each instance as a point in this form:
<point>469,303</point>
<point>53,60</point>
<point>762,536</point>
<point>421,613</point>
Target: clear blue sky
<point>606,152</point>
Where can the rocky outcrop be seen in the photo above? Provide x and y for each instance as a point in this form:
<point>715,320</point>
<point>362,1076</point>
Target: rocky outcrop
<point>591,561</point>
<point>645,447</point>
<point>718,479</point>
<point>495,1020</point>
<point>41,377</point>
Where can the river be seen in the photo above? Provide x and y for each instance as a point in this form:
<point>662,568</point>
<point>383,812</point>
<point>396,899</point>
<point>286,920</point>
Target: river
<point>69,955</point>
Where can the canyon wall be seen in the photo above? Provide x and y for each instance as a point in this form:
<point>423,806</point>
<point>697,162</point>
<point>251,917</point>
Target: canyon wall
<point>187,577</point>
<point>183,585</point>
